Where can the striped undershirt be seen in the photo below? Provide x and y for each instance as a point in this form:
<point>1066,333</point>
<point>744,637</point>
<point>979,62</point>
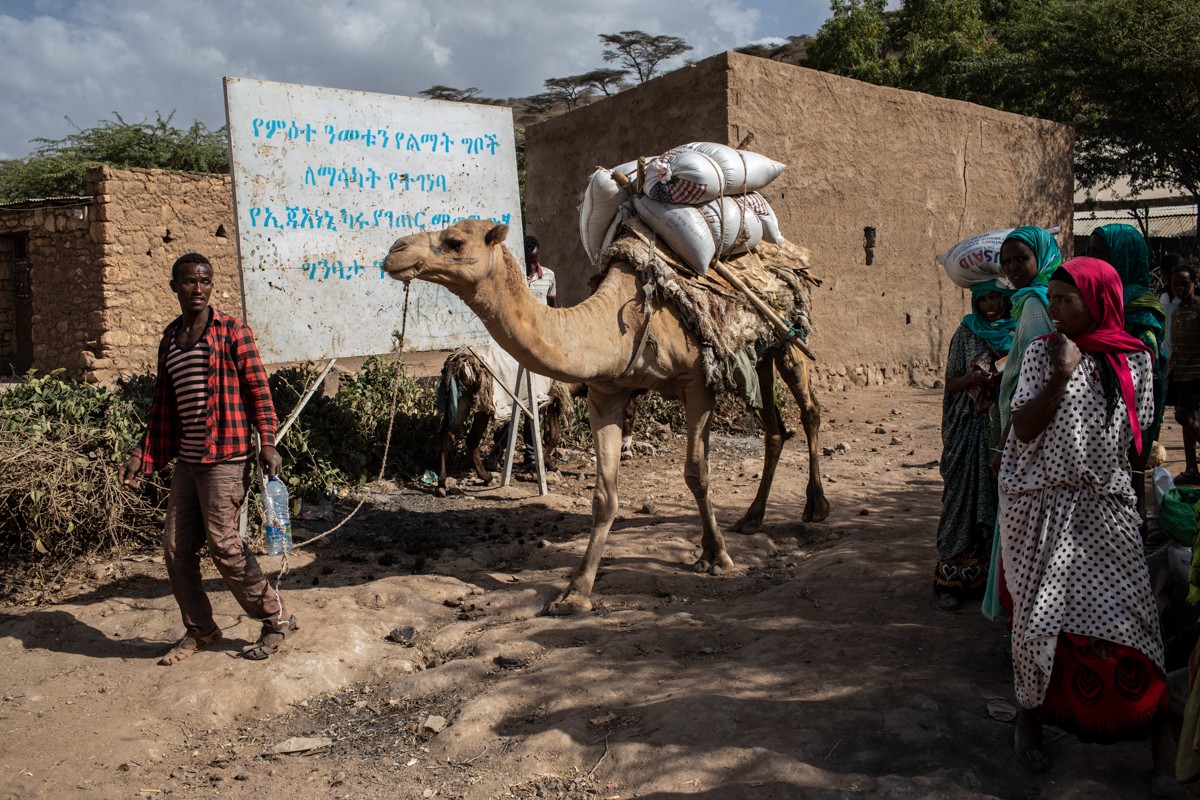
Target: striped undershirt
<point>189,375</point>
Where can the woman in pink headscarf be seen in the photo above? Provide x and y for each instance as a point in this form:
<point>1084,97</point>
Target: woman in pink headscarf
<point>1087,651</point>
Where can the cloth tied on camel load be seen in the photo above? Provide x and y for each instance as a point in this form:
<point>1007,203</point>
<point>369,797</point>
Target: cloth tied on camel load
<point>732,334</point>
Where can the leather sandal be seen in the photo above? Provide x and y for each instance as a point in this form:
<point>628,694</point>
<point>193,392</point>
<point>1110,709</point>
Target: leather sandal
<point>190,644</point>
<point>270,640</point>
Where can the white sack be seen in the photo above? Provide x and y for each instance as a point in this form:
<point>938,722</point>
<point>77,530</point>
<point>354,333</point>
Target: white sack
<point>698,172</point>
<point>977,259</point>
<point>698,233</point>
<point>600,202</point>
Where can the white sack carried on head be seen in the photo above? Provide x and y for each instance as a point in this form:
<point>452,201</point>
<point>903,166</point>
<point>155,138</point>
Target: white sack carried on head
<point>977,259</point>
<point>698,172</point>
<point>698,233</point>
<point>600,202</point>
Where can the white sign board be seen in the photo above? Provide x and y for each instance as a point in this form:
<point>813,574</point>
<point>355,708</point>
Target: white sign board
<point>325,180</point>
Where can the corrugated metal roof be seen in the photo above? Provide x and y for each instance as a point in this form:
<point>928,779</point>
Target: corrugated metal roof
<point>1169,222</point>
<point>48,202</point>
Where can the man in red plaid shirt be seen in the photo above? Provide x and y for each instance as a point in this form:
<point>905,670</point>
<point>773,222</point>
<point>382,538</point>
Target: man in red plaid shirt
<point>211,389</point>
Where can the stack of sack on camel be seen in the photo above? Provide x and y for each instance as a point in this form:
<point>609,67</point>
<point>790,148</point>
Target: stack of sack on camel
<point>676,215</point>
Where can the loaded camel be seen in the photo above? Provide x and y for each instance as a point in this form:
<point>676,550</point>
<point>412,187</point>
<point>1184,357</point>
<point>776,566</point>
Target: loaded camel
<point>617,341</point>
<point>465,391</point>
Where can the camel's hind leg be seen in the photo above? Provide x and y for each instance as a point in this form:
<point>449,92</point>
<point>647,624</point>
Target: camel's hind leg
<point>714,558</point>
<point>773,439</point>
<point>798,376</point>
<point>606,411</point>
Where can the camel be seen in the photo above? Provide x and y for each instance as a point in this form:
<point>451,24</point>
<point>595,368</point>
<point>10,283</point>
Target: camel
<point>617,341</point>
<point>474,397</point>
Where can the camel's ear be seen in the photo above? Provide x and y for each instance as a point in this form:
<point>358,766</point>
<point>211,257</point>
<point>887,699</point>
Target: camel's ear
<point>496,235</point>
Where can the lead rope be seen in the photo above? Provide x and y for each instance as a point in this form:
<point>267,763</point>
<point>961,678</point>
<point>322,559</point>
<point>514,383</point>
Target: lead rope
<point>387,444</point>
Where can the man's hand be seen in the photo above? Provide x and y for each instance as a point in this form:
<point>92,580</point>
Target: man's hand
<point>270,460</point>
<point>131,472</point>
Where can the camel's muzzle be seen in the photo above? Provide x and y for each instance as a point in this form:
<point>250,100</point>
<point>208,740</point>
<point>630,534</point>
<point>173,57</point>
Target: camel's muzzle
<point>401,271</point>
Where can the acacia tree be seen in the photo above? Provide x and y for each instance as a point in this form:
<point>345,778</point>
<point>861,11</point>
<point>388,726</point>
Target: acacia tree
<point>569,90</point>
<point>58,167</point>
<point>641,52</point>
<point>440,92</point>
<point>606,80</point>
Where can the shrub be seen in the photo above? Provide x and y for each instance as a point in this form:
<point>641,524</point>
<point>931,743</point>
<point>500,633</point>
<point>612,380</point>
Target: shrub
<point>62,444</point>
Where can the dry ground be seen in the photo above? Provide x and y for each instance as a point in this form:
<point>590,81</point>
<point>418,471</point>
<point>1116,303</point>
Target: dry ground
<point>819,669</point>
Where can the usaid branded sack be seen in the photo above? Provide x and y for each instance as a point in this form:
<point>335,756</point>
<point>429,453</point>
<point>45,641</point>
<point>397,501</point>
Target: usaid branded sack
<point>977,259</point>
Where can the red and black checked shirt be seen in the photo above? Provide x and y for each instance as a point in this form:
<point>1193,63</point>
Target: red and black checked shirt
<point>238,398</point>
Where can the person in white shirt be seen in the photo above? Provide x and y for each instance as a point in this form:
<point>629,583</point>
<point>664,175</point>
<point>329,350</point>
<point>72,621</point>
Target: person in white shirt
<point>541,279</point>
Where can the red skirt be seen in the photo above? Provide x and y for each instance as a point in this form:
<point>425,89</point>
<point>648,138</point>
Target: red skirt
<point>1103,692</point>
<point>1100,691</point>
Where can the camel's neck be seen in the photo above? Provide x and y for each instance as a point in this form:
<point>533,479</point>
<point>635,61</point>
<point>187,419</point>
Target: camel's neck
<point>576,344</point>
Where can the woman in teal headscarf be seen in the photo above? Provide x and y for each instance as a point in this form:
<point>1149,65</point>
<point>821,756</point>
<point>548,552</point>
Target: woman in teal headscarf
<point>1125,248</point>
<point>969,499</point>
<point>1029,256</point>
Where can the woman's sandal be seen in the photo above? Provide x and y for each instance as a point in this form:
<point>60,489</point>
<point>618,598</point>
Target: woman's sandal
<point>188,645</point>
<point>1034,759</point>
<point>271,640</point>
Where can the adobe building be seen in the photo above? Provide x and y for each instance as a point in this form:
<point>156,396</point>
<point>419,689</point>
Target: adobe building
<point>909,173</point>
<point>83,281</point>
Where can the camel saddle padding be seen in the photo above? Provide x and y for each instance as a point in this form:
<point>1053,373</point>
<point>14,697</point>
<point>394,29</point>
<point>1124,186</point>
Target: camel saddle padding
<point>732,333</point>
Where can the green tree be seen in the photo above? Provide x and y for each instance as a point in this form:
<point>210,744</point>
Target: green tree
<point>640,52</point>
<point>853,42</point>
<point>936,42</point>
<point>1138,113</point>
<point>58,167</point>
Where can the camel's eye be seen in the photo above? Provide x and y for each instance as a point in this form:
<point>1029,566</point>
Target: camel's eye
<point>453,244</point>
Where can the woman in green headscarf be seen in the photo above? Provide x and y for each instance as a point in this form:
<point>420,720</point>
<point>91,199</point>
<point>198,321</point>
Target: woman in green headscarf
<point>1029,256</point>
<point>1125,248</point>
<point>969,498</point>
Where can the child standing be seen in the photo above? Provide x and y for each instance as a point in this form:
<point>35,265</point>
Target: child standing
<point>1183,370</point>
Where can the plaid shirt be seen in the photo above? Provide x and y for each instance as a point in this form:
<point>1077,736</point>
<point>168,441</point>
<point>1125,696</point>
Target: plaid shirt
<point>238,397</point>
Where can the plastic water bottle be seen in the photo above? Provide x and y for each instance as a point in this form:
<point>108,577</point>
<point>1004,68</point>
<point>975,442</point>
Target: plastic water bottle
<point>278,518</point>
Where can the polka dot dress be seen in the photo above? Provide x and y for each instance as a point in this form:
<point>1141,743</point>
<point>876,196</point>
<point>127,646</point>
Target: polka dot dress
<point>1073,557</point>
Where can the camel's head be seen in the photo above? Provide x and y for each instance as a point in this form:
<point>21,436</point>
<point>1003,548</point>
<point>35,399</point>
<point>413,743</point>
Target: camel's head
<point>456,257</point>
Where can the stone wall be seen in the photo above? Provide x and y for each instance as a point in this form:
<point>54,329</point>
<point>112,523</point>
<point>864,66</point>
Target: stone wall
<point>65,284</point>
<point>924,172</point>
<point>143,219</point>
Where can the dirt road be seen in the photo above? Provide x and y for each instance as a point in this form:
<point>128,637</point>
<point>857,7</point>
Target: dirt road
<point>819,669</point>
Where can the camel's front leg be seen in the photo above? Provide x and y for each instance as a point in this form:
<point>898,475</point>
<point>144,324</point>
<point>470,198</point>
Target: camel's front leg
<point>606,411</point>
<point>798,376</point>
<point>714,558</point>
<point>773,439</point>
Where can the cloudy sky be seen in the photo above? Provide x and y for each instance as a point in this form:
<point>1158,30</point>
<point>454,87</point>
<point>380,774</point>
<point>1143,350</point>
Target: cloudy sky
<point>85,59</point>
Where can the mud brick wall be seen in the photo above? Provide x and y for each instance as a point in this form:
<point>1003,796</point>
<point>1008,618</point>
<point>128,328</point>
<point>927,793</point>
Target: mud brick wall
<point>142,220</point>
<point>65,286</point>
<point>924,172</point>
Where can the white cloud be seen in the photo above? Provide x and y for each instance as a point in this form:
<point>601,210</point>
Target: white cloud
<point>85,59</point>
